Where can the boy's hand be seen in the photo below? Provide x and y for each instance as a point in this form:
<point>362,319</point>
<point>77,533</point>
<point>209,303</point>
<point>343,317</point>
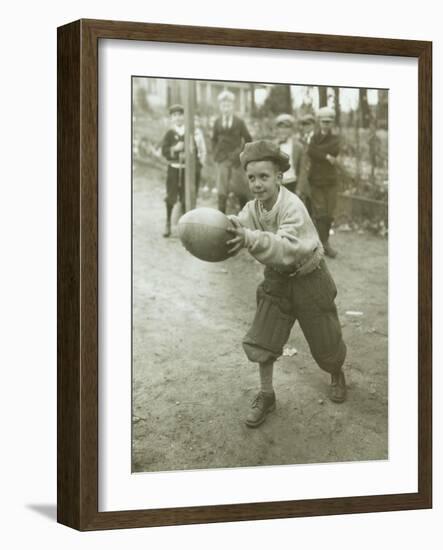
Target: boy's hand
<point>331,159</point>
<point>238,242</point>
<point>178,147</point>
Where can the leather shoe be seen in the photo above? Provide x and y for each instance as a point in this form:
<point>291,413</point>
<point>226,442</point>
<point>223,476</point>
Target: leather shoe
<point>337,390</point>
<point>263,403</point>
<point>329,251</point>
<point>167,232</point>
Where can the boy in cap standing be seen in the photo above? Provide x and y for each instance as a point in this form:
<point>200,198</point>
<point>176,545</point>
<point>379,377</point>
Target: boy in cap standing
<point>276,229</point>
<point>307,127</point>
<point>290,145</point>
<point>228,139</point>
<point>323,150</point>
<point>173,146</point>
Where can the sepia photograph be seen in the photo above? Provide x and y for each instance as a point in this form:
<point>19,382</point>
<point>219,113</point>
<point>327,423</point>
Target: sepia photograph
<point>259,274</point>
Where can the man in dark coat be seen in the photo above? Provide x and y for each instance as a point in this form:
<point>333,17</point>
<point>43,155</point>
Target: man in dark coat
<point>228,139</point>
<point>323,150</point>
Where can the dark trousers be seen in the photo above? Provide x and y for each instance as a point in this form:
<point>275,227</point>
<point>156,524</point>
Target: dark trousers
<point>323,205</point>
<point>175,186</point>
<point>308,299</point>
<point>231,177</point>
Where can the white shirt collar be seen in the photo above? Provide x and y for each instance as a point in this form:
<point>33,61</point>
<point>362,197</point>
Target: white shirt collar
<point>180,130</point>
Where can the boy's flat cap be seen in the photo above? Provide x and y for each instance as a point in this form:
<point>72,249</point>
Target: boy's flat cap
<point>264,150</point>
<point>176,108</point>
<point>326,113</point>
<point>307,119</point>
<point>226,95</point>
<point>284,119</point>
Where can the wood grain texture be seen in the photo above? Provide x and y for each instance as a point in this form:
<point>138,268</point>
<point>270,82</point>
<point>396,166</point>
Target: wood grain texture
<point>78,274</point>
<point>425,273</point>
<point>68,275</point>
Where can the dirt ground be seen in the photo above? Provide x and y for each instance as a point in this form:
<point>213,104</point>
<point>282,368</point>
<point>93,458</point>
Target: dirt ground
<point>192,383</point>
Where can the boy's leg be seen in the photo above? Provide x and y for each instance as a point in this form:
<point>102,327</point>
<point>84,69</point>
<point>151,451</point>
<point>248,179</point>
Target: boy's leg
<point>198,171</point>
<point>323,202</point>
<point>167,231</point>
<point>264,401</point>
<point>314,296</point>
<point>331,203</point>
<point>264,342</point>
<point>222,177</point>
<point>172,181</point>
<point>182,188</point>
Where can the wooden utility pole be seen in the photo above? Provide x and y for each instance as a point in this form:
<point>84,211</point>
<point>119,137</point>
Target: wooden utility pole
<point>252,92</point>
<point>190,152</point>
<point>337,107</point>
<point>322,96</point>
<point>357,122</point>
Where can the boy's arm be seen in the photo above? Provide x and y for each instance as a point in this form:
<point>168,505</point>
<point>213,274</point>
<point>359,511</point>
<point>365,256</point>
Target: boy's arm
<point>298,154</point>
<point>239,225</point>
<point>203,150</point>
<point>319,151</point>
<point>215,135</point>
<point>166,146</point>
<point>303,189</point>
<point>244,217</point>
<point>293,243</point>
<point>245,132</point>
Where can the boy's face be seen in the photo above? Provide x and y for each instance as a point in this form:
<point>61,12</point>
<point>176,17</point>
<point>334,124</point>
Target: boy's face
<point>226,107</point>
<point>178,118</point>
<point>264,178</point>
<point>307,127</point>
<point>283,132</point>
<point>325,125</point>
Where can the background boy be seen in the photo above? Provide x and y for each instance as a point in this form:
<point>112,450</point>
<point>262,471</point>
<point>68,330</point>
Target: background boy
<point>228,138</point>
<point>173,146</point>
<point>291,146</point>
<point>307,127</point>
<point>276,229</point>
<point>323,150</point>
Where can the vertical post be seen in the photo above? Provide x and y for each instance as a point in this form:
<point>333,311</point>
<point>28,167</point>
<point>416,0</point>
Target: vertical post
<point>322,96</point>
<point>357,116</point>
<point>253,106</point>
<point>337,107</point>
<point>190,152</point>
<point>242,101</point>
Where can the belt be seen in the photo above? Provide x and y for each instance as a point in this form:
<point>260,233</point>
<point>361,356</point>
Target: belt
<point>296,273</point>
<point>308,267</point>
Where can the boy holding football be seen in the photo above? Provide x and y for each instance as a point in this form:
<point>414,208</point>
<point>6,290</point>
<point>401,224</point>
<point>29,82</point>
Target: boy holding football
<point>276,229</point>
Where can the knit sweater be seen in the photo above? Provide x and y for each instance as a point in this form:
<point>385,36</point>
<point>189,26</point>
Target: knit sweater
<point>284,237</point>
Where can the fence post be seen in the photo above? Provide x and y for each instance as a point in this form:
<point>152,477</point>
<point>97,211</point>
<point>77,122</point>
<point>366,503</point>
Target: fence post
<point>190,152</point>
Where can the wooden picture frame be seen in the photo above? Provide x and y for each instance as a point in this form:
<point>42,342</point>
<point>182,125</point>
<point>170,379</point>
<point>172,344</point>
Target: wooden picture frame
<point>78,244</point>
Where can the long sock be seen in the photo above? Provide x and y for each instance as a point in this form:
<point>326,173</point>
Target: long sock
<point>168,212</point>
<point>222,199</point>
<point>322,229</point>
<point>266,374</point>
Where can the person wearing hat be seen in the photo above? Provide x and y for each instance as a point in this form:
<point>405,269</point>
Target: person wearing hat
<point>323,150</point>
<point>173,150</point>
<point>277,230</point>
<point>228,138</point>
<point>307,123</point>
<point>291,146</point>
<point>173,146</point>
<point>306,127</point>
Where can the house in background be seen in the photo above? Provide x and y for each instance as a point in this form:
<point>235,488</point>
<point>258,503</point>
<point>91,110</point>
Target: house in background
<point>157,94</point>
